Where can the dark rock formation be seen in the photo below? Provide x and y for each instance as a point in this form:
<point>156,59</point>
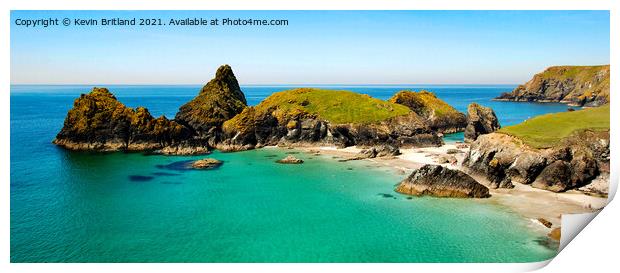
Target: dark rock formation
<point>99,122</point>
<point>218,101</point>
<point>207,163</point>
<point>480,120</point>
<point>571,164</point>
<point>438,181</point>
<point>439,115</point>
<point>575,85</point>
<point>289,159</point>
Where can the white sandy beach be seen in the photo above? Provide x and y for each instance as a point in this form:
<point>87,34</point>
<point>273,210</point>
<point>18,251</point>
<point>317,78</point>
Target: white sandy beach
<point>523,199</point>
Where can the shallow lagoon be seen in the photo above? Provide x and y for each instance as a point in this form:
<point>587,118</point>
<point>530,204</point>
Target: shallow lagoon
<point>128,207</point>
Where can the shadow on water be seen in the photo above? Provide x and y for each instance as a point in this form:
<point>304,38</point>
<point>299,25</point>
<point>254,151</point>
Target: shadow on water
<point>140,178</point>
<point>547,243</point>
<point>183,165</point>
<point>387,195</point>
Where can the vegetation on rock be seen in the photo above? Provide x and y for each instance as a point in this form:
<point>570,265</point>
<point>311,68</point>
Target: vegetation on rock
<point>98,121</point>
<point>334,106</point>
<point>310,115</point>
<point>218,101</point>
<point>439,115</point>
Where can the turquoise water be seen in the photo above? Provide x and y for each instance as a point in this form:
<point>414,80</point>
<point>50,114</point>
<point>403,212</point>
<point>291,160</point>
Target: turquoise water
<point>128,207</point>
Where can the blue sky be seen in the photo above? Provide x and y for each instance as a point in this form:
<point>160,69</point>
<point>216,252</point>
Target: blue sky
<point>317,47</point>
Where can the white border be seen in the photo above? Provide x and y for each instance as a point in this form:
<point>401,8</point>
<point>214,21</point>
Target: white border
<point>598,252</point>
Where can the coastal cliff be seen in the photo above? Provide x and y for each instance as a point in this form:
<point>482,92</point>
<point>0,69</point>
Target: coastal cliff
<point>555,152</point>
<point>574,85</point>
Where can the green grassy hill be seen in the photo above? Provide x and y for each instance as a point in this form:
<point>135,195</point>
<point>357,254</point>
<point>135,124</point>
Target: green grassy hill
<point>335,106</point>
<point>547,130</point>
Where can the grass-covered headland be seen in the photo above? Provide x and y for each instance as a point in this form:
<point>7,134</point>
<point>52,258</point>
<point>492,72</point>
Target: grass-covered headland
<point>547,130</point>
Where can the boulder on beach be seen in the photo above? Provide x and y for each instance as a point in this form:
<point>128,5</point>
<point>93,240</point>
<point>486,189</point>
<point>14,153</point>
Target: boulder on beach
<point>435,180</point>
<point>447,158</point>
<point>555,233</point>
<point>380,151</point>
<point>480,120</point>
<point>207,163</point>
<point>289,159</point>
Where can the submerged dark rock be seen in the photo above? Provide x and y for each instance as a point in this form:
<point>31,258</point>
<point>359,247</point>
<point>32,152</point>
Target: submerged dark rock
<point>140,178</point>
<point>435,180</point>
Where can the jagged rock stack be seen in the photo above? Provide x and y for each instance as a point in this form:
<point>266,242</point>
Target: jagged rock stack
<point>218,101</point>
<point>99,122</point>
<point>480,120</point>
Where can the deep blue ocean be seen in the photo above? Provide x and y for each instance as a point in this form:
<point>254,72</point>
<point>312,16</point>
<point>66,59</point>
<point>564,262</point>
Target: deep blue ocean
<point>129,207</point>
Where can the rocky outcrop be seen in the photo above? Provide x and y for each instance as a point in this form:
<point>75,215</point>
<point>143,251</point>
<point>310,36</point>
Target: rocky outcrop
<point>207,163</point>
<point>480,120</point>
<point>218,101</point>
<point>219,118</point>
<point>435,180</point>
<point>289,159</point>
<point>439,115</point>
<point>379,151</point>
<point>99,122</point>
<point>575,85</point>
<point>277,122</point>
<point>572,163</point>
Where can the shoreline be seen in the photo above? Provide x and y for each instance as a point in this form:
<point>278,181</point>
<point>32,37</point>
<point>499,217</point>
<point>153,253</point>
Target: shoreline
<point>528,202</point>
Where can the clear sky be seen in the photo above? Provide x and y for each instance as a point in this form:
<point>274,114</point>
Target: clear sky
<point>317,47</point>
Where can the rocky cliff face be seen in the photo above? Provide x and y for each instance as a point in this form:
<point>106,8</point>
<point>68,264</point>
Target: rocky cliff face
<point>218,101</point>
<point>575,85</point>
<point>293,123</point>
<point>98,121</point>
<point>573,163</point>
<point>480,120</point>
<point>439,181</point>
<point>439,115</point>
